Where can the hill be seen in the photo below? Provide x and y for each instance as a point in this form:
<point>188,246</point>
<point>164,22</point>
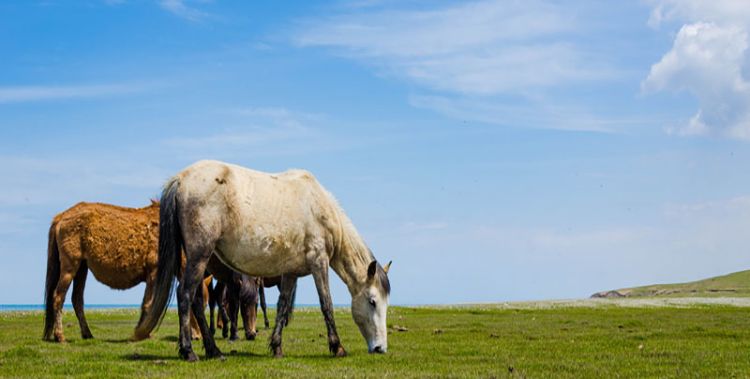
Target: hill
<point>732,285</point>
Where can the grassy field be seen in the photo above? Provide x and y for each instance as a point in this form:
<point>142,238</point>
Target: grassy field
<point>471,341</point>
<point>736,284</point>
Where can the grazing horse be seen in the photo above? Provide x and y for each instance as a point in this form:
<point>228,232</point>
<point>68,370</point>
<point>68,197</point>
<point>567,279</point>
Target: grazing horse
<point>240,292</point>
<point>118,245</point>
<point>264,225</point>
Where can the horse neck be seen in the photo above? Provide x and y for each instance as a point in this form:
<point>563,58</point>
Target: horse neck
<point>351,259</point>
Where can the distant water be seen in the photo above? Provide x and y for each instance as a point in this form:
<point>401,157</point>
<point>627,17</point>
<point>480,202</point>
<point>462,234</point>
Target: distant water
<point>40,307</point>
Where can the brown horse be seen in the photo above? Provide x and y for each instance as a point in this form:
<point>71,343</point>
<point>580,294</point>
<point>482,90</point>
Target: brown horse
<point>119,246</point>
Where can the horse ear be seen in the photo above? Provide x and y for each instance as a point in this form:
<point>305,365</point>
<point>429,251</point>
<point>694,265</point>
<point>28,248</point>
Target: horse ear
<point>372,269</point>
<point>387,267</point>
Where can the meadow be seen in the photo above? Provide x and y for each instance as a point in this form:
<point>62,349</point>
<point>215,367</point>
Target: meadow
<point>468,341</point>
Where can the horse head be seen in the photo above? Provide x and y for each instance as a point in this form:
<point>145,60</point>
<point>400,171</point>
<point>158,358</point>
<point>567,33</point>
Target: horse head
<point>370,307</point>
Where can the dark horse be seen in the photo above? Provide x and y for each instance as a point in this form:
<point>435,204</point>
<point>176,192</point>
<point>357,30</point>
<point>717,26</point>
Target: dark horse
<point>271,282</point>
<point>240,293</point>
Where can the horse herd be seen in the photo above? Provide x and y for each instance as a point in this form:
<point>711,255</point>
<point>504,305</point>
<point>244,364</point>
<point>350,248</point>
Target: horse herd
<point>246,229</point>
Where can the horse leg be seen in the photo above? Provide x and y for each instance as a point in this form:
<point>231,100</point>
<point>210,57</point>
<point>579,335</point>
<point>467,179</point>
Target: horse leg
<point>320,275</point>
<point>199,311</point>
<point>194,325</point>
<point>79,283</point>
<point>67,270</point>
<point>233,293</point>
<point>192,277</point>
<point>262,294</point>
<point>223,311</point>
<point>146,303</point>
<point>287,288</point>
<point>211,305</point>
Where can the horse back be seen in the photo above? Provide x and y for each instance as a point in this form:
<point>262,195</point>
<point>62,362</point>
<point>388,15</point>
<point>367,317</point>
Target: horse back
<point>267,221</point>
<point>118,243</point>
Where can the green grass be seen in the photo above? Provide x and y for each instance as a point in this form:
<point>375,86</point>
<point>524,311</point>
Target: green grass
<point>481,341</point>
<point>735,285</point>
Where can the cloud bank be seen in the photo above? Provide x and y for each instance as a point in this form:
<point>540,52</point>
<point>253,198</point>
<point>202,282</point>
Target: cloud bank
<point>710,60</point>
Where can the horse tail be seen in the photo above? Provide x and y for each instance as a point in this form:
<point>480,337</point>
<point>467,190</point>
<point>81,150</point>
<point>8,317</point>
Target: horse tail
<point>170,247</point>
<point>53,276</point>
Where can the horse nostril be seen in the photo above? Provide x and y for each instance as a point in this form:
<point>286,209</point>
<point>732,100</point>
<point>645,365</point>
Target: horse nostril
<point>378,349</point>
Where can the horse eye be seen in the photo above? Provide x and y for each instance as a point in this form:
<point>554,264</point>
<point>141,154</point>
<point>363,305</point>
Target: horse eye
<point>372,302</point>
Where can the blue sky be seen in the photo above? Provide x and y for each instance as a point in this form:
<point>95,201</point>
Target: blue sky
<point>494,150</point>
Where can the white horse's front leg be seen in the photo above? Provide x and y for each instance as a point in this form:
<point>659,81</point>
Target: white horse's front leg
<point>320,274</point>
<point>287,289</point>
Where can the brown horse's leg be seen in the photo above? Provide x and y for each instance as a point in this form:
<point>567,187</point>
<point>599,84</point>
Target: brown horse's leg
<point>148,301</point>
<point>287,288</point>
<point>79,283</point>
<point>195,330</point>
<point>320,274</point>
<point>66,276</point>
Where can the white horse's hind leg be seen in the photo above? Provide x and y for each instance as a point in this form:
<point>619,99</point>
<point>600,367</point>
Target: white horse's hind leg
<point>198,310</point>
<point>192,278</point>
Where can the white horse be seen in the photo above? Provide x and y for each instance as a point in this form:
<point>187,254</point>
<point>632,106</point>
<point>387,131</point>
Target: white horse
<point>264,225</point>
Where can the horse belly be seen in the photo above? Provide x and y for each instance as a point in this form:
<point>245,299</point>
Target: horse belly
<point>114,274</point>
<point>264,255</point>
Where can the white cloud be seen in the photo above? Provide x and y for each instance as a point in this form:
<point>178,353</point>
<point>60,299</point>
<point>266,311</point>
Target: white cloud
<point>530,114</point>
<point>181,9</point>
<point>724,11</point>
<point>251,126</point>
<point>17,94</point>
<point>480,48</point>
<point>709,59</point>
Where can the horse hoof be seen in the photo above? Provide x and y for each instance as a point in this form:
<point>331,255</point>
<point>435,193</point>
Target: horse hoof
<point>250,337</point>
<point>233,338</point>
<point>188,355</point>
<point>87,336</point>
<point>216,354</point>
<point>340,352</point>
<point>59,338</point>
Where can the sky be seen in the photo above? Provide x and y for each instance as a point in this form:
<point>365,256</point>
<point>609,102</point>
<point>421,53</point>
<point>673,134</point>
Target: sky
<point>494,150</point>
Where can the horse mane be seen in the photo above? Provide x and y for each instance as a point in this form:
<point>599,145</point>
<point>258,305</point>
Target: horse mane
<point>351,237</point>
